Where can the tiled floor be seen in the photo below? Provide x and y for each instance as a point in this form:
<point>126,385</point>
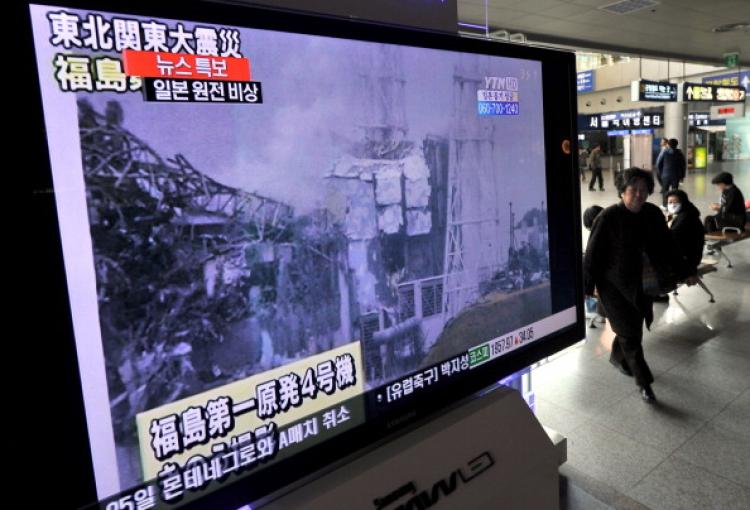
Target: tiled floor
<point>692,448</point>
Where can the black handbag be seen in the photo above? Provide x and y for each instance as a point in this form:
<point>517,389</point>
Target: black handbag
<point>656,283</point>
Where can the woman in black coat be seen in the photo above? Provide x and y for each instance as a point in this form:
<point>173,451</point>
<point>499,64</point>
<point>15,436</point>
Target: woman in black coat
<point>621,236</point>
<point>686,227</point>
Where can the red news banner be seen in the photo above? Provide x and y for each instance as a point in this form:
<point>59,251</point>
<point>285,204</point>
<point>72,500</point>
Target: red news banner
<point>185,66</point>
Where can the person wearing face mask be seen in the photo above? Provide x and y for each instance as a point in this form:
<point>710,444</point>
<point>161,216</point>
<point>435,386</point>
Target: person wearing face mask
<point>686,227</point>
<point>625,238</point>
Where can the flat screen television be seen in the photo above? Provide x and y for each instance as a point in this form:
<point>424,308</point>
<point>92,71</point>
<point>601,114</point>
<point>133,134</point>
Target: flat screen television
<point>270,241</point>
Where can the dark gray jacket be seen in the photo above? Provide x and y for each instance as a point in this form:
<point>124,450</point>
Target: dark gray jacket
<point>595,159</point>
<point>671,165</point>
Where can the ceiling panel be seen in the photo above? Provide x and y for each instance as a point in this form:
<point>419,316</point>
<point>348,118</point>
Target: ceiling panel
<point>676,28</point>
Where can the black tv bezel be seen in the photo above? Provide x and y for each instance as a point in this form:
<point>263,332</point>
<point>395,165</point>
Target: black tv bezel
<point>59,365</point>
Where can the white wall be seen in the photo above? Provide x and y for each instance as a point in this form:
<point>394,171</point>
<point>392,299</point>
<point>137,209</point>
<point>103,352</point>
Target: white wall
<point>621,74</point>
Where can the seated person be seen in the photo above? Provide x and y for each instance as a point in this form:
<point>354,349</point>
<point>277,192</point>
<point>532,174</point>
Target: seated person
<point>731,209</point>
<point>686,227</point>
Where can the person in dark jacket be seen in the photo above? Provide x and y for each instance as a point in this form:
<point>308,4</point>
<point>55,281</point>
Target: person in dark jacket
<point>595,165</point>
<point>583,158</point>
<point>671,167</point>
<point>663,145</point>
<point>589,215</point>
<point>731,207</point>
<point>686,227</point>
<point>622,236</point>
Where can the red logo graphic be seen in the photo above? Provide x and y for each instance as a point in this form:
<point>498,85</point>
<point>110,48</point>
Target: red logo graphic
<point>152,64</point>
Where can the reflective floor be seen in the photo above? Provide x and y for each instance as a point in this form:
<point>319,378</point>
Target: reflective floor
<point>690,450</point>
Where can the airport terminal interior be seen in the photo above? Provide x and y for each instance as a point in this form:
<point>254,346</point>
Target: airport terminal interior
<point>690,449</point>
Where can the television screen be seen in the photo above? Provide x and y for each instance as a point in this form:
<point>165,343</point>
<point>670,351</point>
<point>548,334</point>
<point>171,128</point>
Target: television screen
<point>286,238</point>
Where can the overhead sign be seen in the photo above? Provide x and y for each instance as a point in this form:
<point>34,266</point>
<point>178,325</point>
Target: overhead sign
<point>626,132</point>
<point>699,118</point>
<point>735,79</point>
<point>711,93</point>
<point>585,81</point>
<point>732,59</point>
<point>636,119</point>
<point>729,111</point>
<point>646,90</point>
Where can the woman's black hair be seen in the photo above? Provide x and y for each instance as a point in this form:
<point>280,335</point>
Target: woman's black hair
<point>630,175</point>
<point>723,178</point>
<point>681,196</point>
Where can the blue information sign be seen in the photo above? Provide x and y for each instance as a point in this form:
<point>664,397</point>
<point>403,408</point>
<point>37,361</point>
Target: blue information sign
<point>585,81</point>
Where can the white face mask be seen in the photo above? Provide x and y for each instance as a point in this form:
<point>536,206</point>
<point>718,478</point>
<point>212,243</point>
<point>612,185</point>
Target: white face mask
<point>674,208</point>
